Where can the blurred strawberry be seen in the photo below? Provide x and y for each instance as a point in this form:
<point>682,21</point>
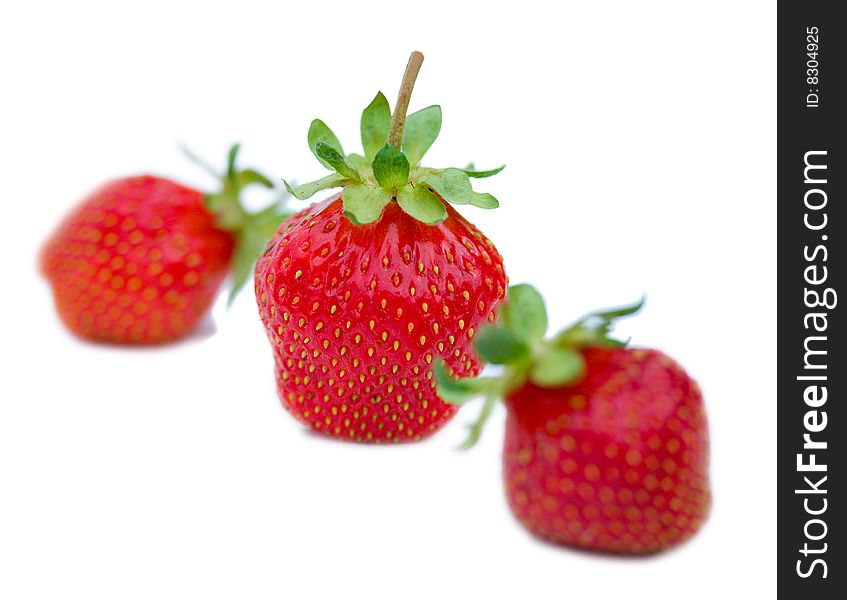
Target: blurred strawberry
<point>141,259</point>
<point>606,446</point>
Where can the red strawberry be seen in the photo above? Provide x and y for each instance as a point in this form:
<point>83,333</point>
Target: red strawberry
<point>142,258</point>
<point>617,462</point>
<point>360,293</point>
<point>606,447</point>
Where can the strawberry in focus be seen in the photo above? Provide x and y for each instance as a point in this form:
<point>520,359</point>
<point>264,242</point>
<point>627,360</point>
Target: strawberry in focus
<point>142,258</point>
<point>606,447</point>
<point>361,293</point>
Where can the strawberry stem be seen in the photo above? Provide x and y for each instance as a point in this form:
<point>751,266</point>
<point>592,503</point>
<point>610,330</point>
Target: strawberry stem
<point>398,118</point>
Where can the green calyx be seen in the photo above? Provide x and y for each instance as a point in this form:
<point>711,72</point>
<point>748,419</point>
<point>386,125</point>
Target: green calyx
<point>251,230</point>
<point>390,169</point>
<point>518,344</point>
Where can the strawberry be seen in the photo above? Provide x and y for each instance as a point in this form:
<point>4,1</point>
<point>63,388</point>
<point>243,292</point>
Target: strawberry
<point>606,446</point>
<point>141,259</point>
<point>360,293</point>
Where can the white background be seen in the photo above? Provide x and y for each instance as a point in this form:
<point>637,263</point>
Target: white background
<point>640,142</point>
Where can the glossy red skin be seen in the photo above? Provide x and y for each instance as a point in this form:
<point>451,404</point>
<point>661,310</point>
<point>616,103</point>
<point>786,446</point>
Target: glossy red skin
<point>617,463</point>
<point>356,314</point>
<point>137,262</point>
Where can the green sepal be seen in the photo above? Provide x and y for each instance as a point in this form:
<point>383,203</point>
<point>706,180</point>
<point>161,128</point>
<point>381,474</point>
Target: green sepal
<point>251,239</point>
<point>451,184</point>
<point>319,132</point>
<point>200,162</point>
<point>458,391</point>
<point>594,328</point>
<point>336,161</point>
<point>250,177</point>
<point>232,157</point>
<point>364,203</point>
<point>228,213</point>
<point>225,204</point>
<point>462,391</point>
<point>557,367</point>
<point>610,314</point>
<point>307,190</point>
<point>268,220</point>
<point>470,172</point>
<point>500,346</point>
<point>359,162</point>
<point>485,200</point>
<point>455,187</point>
<point>423,205</point>
<point>251,230</point>
<point>475,428</point>
<point>391,168</point>
<point>519,345</point>
<point>420,132</point>
<point>250,246</point>
<point>374,125</point>
<point>524,313</point>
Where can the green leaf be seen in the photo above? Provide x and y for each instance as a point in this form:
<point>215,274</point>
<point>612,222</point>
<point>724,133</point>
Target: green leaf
<point>500,346</point>
<point>374,126</point>
<point>454,186</point>
<point>307,190</point>
<point>363,203</point>
<point>524,313</point>
<point>391,168</point>
<point>250,176</point>
<point>557,367</point>
<point>319,132</point>
<point>458,391</point>
<point>423,205</point>
<point>336,161</point>
<point>420,131</point>
<point>481,174</point>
